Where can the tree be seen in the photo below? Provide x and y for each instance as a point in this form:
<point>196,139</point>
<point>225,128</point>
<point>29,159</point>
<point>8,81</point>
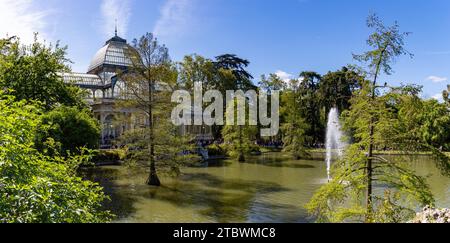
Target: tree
<point>310,106</point>
<point>67,129</point>
<point>375,122</point>
<point>194,69</point>
<point>33,73</point>
<point>197,69</point>
<point>272,82</point>
<point>232,75</point>
<point>150,81</point>
<point>336,88</point>
<point>426,119</point>
<point>241,77</point>
<point>229,73</point>
<point>294,127</point>
<point>36,188</point>
<point>239,139</point>
<point>388,44</point>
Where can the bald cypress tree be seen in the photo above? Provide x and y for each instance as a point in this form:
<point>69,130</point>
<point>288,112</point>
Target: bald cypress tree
<point>149,85</point>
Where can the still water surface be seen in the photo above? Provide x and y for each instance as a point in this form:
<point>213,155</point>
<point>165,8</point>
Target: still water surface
<point>269,189</point>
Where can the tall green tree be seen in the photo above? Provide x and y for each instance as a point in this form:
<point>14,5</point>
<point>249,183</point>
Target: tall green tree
<point>232,75</point>
<point>310,106</point>
<point>388,44</point>
<point>36,188</point>
<point>31,72</point>
<point>294,126</point>
<point>149,86</point>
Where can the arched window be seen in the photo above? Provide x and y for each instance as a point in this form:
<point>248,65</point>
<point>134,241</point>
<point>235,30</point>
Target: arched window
<point>99,94</point>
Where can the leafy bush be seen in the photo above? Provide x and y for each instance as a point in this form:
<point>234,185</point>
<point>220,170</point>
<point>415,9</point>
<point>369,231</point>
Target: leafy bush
<point>36,188</point>
<point>66,130</point>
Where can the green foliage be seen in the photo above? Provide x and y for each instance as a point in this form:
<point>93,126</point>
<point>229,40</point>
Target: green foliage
<point>32,73</point>
<point>196,68</point>
<point>35,188</point>
<point>239,139</point>
<point>294,127</point>
<point>397,127</point>
<point>271,83</point>
<point>68,130</point>
<point>426,120</point>
<point>150,83</point>
<point>382,120</point>
<point>336,88</point>
<point>240,77</point>
<point>387,43</point>
<point>310,106</point>
<point>227,72</point>
<point>168,147</point>
<point>314,98</point>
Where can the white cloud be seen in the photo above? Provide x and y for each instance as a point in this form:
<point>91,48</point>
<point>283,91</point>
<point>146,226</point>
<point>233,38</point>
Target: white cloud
<point>113,10</point>
<point>22,19</point>
<point>286,77</point>
<point>436,79</point>
<point>439,97</point>
<point>175,17</point>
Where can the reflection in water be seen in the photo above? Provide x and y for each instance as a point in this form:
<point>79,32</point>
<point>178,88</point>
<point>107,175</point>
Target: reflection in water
<point>269,189</point>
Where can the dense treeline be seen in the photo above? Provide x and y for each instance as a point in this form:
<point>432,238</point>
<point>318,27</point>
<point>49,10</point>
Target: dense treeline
<point>306,100</point>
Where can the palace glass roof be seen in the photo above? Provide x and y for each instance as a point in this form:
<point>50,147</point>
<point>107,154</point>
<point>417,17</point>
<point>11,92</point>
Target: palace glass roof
<point>114,53</point>
<point>81,79</point>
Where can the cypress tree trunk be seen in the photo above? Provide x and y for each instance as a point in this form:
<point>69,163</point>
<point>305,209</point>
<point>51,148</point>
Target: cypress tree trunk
<point>369,202</point>
<point>153,179</point>
<point>370,176</point>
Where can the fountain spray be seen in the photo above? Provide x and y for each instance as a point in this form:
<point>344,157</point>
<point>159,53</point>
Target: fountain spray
<point>334,143</point>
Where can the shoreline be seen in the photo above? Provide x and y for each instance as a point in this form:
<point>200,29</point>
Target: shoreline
<point>386,152</point>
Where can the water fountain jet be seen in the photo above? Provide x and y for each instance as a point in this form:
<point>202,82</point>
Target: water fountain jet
<point>334,141</point>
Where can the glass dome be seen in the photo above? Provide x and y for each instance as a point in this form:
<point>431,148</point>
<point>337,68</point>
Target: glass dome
<point>112,56</point>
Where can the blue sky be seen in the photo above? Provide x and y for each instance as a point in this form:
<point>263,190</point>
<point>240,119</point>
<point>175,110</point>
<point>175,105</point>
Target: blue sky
<point>283,36</point>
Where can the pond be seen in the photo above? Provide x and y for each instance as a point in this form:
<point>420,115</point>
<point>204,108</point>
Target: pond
<point>268,189</point>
